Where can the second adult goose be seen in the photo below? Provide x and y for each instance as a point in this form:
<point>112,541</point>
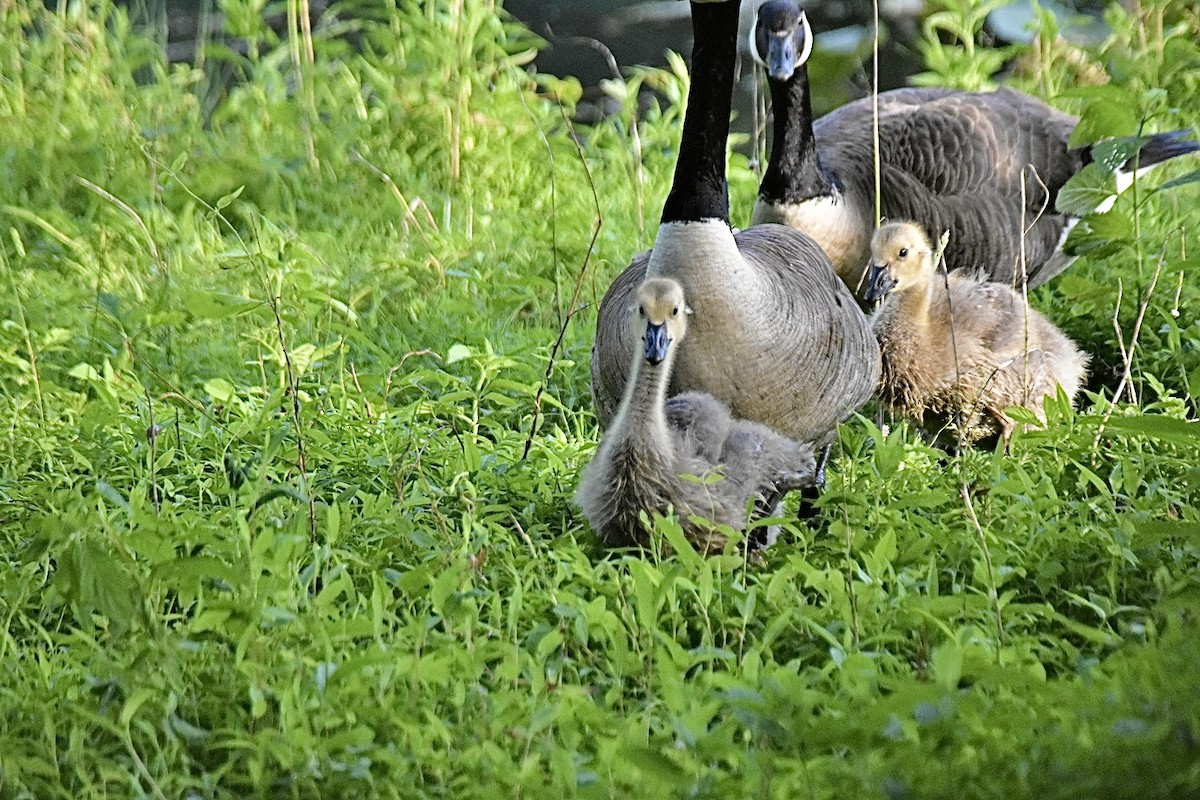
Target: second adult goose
<point>777,337</point>
<point>688,453</point>
<point>960,350</point>
<point>949,159</point>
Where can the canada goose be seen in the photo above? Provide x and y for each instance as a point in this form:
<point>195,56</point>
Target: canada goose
<point>949,159</point>
<point>972,349</point>
<point>777,337</point>
<point>650,449</point>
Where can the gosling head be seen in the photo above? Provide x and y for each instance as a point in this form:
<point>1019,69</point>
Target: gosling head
<point>900,259</point>
<point>661,317</point>
<point>781,39</point>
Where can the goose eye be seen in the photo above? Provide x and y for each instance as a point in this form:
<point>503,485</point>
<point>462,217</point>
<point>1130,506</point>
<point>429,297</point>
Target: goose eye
<point>675,311</point>
<point>641,311</point>
<point>903,252</point>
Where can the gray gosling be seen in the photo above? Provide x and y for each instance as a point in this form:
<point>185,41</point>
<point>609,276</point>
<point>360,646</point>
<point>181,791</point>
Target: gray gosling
<point>960,348</point>
<point>688,454</point>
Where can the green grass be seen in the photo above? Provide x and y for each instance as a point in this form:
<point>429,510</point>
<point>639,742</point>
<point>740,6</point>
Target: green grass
<point>288,449</point>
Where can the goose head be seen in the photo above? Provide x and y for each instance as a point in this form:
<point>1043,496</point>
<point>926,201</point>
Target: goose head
<point>661,318</point>
<point>781,40</point>
<point>901,258</point>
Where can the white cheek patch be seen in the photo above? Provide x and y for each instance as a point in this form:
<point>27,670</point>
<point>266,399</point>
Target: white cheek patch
<point>808,41</point>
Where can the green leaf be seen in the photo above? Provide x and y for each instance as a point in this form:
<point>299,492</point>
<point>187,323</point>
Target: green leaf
<point>1086,191</point>
<point>219,389</point>
<point>97,583</point>
<point>1110,111</point>
<point>205,304</point>
<point>1157,529</point>
<point>653,764</point>
<point>139,698</point>
<point>1182,180</point>
<point>1171,429</point>
<point>457,353</point>
<point>229,198</point>
<point>947,663</point>
<point>85,372</point>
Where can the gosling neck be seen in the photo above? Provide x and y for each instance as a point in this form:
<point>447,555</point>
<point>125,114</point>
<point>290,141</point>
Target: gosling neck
<point>699,189</point>
<point>642,407</point>
<point>794,171</point>
<point>914,303</point>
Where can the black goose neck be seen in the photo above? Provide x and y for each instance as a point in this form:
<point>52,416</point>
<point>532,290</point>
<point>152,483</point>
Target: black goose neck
<point>794,170</point>
<point>699,189</point>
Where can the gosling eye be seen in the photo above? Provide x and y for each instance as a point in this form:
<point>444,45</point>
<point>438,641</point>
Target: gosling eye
<point>675,311</point>
<point>641,311</point>
<point>903,252</point>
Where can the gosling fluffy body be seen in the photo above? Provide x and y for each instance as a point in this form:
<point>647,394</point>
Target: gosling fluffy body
<point>960,348</point>
<point>653,444</point>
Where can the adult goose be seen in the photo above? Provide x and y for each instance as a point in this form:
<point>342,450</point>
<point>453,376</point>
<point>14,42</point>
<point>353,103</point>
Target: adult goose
<point>949,159</point>
<point>688,454</point>
<point>959,351</point>
<point>777,338</point>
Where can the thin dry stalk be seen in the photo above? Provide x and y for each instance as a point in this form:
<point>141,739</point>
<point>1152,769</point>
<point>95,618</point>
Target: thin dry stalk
<point>1178,292</point>
<point>558,306</point>
<point>1127,352</point>
<point>300,34</point>
<point>1116,323</point>
<point>874,137</point>
<point>574,306</point>
<point>29,349</point>
<point>152,431</point>
<point>635,138</point>
<point>297,422</point>
<point>358,388</point>
<point>875,120</point>
<point>850,592</point>
<point>940,260</point>
<point>993,592</point>
<point>1127,376</point>
<point>1025,229</point>
<point>128,210</point>
<point>142,770</point>
<point>409,217</point>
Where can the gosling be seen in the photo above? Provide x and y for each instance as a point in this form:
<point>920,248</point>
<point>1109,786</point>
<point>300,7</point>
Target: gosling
<point>688,454</point>
<point>959,351</point>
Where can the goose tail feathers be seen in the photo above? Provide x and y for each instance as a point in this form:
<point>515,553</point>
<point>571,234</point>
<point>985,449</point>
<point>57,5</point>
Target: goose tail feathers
<point>1162,146</point>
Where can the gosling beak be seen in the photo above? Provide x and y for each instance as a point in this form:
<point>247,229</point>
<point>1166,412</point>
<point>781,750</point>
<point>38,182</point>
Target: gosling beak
<point>781,56</point>
<point>656,343</point>
<point>879,283</point>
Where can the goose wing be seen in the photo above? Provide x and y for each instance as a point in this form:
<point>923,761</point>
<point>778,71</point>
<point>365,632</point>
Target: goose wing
<point>958,160</point>
<point>825,357</point>
<point>789,347</point>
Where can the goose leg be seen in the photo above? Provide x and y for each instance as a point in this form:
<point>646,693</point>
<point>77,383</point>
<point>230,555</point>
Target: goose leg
<point>809,493</point>
<point>819,477</point>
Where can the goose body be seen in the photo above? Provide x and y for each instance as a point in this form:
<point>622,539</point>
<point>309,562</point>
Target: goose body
<point>983,165</point>
<point>654,451</point>
<point>961,348</point>
<point>777,336</point>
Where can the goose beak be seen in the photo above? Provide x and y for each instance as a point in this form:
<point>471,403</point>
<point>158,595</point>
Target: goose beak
<point>879,283</point>
<point>657,342</point>
<point>781,57</point>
